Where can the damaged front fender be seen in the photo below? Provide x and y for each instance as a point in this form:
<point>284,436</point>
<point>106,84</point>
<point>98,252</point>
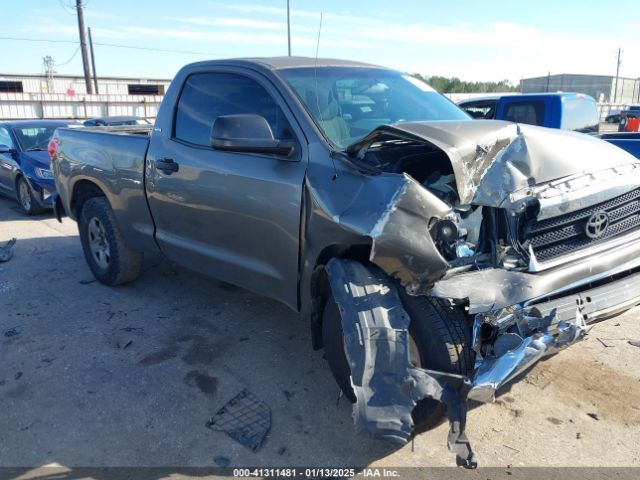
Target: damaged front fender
<point>402,244</point>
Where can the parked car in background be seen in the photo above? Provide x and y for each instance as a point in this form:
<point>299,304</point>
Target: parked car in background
<point>631,111</point>
<point>613,117</point>
<point>25,165</point>
<point>567,111</point>
<point>115,121</point>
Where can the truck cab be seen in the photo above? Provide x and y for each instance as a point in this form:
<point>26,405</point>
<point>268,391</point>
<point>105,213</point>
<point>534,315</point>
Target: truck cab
<point>567,111</point>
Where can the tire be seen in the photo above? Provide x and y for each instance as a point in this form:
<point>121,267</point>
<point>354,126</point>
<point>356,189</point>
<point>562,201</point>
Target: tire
<point>26,198</point>
<point>441,336</point>
<point>439,339</point>
<point>108,256</point>
<point>332,338</point>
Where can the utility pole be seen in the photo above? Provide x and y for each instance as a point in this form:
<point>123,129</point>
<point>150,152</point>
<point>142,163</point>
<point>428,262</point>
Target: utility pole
<point>93,61</point>
<point>48,64</point>
<point>289,26</point>
<point>548,81</point>
<point>615,88</point>
<point>83,47</point>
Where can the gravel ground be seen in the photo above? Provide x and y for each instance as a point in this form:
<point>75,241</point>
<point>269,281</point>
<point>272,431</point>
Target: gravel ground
<point>129,376</point>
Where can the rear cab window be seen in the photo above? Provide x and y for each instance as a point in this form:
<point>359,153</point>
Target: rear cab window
<point>530,112</point>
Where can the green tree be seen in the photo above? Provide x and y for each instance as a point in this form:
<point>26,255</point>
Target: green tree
<point>455,85</point>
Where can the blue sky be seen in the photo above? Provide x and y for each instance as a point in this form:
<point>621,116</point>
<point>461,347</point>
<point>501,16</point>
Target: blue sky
<point>469,39</point>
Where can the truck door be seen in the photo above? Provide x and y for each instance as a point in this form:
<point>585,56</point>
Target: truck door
<point>232,215</point>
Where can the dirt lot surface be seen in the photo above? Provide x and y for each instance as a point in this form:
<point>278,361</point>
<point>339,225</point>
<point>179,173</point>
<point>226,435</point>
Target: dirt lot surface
<point>129,376</point>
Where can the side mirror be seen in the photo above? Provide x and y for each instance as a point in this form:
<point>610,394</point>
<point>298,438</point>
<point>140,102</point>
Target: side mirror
<point>7,149</point>
<point>248,133</point>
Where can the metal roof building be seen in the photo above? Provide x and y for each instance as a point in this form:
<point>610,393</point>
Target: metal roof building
<point>64,96</point>
<point>601,87</point>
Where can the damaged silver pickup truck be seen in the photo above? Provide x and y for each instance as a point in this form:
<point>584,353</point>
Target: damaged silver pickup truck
<point>436,257</point>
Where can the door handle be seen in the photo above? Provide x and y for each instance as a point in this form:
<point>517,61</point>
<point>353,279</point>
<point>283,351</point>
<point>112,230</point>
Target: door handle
<point>167,165</point>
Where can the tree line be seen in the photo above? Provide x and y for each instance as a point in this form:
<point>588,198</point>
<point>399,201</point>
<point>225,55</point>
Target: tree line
<point>455,85</point>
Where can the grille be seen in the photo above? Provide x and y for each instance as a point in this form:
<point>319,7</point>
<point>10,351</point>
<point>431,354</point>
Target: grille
<point>557,236</point>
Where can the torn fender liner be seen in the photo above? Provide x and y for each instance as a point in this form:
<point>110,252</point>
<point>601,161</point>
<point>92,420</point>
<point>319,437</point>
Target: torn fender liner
<point>387,387</point>
<point>245,419</point>
<point>402,244</point>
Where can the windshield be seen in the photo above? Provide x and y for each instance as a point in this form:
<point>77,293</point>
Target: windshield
<point>34,138</point>
<point>348,102</point>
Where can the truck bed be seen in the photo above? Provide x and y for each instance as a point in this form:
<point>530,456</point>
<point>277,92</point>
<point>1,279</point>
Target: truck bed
<point>113,159</point>
<point>629,142</point>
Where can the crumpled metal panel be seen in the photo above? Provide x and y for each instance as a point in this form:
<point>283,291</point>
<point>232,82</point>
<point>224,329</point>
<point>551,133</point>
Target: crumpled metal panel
<point>402,244</point>
<point>510,287</point>
<point>495,161</point>
<point>387,387</point>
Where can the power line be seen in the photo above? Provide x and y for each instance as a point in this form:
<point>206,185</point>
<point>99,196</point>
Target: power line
<point>46,40</point>
<point>68,61</point>
<point>38,40</point>
<point>68,9</point>
<point>147,48</point>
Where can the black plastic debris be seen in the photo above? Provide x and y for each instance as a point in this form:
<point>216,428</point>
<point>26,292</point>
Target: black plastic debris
<point>245,419</point>
<point>12,332</point>
<point>5,251</point>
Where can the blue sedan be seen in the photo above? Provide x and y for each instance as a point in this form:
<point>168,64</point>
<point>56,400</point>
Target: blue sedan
<point>25,166</point>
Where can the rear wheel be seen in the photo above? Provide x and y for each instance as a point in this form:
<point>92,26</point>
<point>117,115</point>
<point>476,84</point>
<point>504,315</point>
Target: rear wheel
<point>439,339</point>
<point>110,259</point>
<point>26,198</point>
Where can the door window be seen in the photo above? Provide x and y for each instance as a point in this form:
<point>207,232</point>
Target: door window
<point>5,138</point>
<point>206,96</point>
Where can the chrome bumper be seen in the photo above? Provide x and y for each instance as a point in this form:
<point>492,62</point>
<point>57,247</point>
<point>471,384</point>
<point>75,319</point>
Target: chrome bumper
<point>522,335</point>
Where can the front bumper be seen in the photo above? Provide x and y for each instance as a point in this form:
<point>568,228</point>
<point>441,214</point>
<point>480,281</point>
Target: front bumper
<point>520,336</point>
<point>43,190</point>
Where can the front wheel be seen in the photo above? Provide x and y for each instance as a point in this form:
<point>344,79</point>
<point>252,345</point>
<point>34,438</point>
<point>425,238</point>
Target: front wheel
<point>439,339</point>
<point>110,259</point>
<point>27,199</point>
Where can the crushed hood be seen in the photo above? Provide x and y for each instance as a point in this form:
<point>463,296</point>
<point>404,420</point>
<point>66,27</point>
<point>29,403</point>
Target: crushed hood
<point>493,159</point>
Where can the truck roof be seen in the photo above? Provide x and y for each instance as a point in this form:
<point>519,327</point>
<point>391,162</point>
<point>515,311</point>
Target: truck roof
<point>279,63</point>
<point>498,96</point>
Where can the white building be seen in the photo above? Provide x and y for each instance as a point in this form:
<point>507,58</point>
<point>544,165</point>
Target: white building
<point>64,96</point>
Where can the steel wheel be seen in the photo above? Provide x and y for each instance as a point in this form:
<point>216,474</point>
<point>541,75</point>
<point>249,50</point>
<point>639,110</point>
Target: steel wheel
<point>98,243</point>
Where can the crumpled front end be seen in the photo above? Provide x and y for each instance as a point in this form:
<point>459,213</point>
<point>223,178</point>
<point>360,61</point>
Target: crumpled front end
<point>533,232</point>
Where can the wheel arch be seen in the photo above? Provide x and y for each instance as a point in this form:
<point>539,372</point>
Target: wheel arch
<point>319,287</point>
<point>19,175</point>
<point>82,191</point>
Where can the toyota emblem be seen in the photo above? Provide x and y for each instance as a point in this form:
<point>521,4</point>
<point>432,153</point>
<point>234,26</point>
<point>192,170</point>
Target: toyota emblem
<point>597,225</point>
